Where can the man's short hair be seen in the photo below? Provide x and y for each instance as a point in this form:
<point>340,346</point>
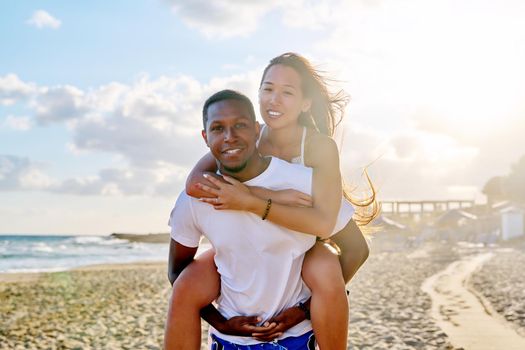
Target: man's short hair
<point>226,95</point>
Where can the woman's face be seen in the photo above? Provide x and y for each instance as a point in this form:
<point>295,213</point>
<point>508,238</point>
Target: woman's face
<point>281,97</point>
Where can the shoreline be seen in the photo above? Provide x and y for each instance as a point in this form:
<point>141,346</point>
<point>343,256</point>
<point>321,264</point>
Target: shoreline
<point>23,277</point>
<point>159,238</point>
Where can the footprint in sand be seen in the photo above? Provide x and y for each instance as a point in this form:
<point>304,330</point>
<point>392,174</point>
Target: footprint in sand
<point>460,313</point>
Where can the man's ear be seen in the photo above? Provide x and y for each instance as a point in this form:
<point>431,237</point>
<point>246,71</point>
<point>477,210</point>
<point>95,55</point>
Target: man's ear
<point>257,129</point>
<point>204,136</point>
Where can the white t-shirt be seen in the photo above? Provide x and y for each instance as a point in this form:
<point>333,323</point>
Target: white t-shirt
<point>259,262</point>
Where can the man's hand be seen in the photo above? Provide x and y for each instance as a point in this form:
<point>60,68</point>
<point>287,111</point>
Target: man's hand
<point>283,321</point>
<point>244,326</point>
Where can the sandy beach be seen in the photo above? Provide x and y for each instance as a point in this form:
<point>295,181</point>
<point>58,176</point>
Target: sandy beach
<point>100,307</point>
<point>124,306</point>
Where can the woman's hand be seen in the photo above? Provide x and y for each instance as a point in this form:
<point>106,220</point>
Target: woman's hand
<point>231,195</point>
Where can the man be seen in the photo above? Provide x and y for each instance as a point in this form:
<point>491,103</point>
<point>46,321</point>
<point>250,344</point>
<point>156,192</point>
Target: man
<point>259,262</point>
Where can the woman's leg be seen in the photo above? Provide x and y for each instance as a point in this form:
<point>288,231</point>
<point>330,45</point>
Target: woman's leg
<point>329,305</point>
<point>354,249</point>
<point>197,286</point>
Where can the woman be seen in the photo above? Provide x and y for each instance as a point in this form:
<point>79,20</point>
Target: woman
<point>300,116</point>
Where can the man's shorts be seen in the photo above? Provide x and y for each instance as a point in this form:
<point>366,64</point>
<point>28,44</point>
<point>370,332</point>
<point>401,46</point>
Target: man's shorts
<point>302,342</point>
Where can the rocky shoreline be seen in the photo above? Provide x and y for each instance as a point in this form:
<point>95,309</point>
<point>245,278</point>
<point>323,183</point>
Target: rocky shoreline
<point>143,238</point>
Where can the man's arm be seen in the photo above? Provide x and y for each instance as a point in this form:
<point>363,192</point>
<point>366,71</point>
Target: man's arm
<point>180,257</point>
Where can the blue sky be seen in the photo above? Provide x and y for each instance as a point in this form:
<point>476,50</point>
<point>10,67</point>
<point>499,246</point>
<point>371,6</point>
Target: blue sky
<point>99,101</point>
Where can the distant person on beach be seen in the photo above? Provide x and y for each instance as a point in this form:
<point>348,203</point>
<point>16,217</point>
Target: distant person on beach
<point>300,116</point>
<point>259,262</point>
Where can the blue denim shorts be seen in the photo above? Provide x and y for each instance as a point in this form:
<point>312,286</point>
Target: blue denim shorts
<point>302,342</point>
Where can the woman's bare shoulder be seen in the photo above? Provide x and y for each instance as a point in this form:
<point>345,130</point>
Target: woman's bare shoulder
<point>320,148</point>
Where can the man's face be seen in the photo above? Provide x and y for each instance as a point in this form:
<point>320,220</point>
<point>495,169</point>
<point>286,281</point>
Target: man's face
<point>231,134</point>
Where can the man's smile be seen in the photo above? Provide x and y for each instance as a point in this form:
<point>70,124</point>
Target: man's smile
<point>232,151</point>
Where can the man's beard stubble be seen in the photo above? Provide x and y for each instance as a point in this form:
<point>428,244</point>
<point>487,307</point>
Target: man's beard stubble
<point>235,169</point>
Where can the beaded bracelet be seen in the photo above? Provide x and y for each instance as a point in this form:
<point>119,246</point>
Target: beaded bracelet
<point>267,210</point>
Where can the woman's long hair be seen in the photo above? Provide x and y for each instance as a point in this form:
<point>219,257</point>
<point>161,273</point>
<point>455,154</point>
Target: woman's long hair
<point>325,114</point>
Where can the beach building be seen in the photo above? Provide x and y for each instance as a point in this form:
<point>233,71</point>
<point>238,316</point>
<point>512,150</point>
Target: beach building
<point>511,222</point>
<point>454,221</point>
<point>393,234</point>
<point>389,225</point>
<point>455,218</point>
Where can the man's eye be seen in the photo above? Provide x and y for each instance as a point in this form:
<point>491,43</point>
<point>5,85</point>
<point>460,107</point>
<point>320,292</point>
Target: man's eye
<point>240,125</point>
<point>216,128</point>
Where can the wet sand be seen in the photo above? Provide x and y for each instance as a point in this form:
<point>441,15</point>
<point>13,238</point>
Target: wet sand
<point>464,315</point>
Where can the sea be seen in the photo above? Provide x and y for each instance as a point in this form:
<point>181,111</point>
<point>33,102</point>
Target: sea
<point>49,253</point>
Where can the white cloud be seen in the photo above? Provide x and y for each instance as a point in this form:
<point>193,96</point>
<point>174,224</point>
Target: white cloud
<point>410,164</point>
<point>60,103</point>
<point>152,125</point>
<point>13,90</point>
<point>240,18</point>
<point>164,180</point>
<point>153,121</point>
<point>313,14</point>
<point>18,123</point>
<point>222,18</point>
<point>42,19</point>
<point>18,173</point>
<point>24,174</point>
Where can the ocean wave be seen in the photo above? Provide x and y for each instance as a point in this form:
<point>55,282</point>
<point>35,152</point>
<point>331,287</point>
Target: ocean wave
<point>45,254</point>
<point>42,248</point>
<point>86,239</point>
<point>36,270</point>
<point>98,240</point>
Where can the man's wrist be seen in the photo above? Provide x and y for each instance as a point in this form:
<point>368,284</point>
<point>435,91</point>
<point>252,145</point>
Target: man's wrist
<point>211,315</point>
<point>219,326</point>
<point>305,309</point>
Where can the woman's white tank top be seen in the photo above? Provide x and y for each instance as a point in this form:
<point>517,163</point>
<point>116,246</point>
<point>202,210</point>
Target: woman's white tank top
<point>346,207</point>
<point>295,160</point>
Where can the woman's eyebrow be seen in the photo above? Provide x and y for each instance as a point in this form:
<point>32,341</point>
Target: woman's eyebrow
<point>286,85</point>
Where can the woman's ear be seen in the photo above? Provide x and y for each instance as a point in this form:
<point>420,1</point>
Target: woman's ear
<point>307,104</point>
